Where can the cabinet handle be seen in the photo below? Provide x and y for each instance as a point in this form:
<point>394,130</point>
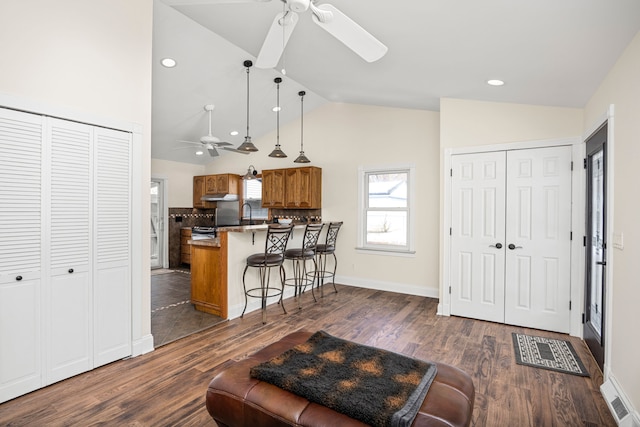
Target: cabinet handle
<point>71,270</point>
<point>19,278</point>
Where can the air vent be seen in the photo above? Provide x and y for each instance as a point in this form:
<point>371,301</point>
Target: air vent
<point>618,406</point>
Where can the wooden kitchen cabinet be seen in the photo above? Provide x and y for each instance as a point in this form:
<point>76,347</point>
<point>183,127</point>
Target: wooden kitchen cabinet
<point>225,183</point>
<point>185,248</point>
<point>293,188</point>
<point>209,277</point>
<point>273,188</point>
<point>303,188</point>
<point>199,191</point>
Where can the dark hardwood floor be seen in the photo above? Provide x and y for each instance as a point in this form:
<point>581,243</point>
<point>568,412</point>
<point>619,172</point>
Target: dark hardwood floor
<point>167,387</point>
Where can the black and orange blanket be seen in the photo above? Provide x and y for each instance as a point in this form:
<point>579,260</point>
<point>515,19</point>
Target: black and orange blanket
<point>375,386</point>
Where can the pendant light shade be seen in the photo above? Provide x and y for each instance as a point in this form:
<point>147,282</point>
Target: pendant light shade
<point>277,152</point>
<point>302,158</point>
<point>247,145</point>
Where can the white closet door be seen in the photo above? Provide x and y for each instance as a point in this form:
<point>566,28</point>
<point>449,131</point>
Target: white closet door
<point>477,235</point>
<point>112,298</point>
<point>69,294</point>
<point>21,220</point>
<point>538,230</point>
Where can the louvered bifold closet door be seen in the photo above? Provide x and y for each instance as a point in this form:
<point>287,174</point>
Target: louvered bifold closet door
<point>21,219</point>
<point>112,299</point>
<point>69,294</point>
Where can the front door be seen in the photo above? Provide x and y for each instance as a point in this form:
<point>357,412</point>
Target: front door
<point>157,223</point>
<point>596,248</point>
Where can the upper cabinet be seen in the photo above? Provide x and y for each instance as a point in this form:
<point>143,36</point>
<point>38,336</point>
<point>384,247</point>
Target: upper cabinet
<point>273,188</point>
<point>292,188</point>
<point>198,191</point>
<point>225,183</point>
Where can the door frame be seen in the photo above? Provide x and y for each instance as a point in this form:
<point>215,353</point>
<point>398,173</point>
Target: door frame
<point>165,217</point>
<point>577,221</point>
<point>606,118</point>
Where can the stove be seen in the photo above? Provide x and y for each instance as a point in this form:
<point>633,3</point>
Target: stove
<point>203,232</point>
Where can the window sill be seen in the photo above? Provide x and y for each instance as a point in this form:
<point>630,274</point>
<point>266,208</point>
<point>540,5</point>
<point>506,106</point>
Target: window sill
<point>386,252</point>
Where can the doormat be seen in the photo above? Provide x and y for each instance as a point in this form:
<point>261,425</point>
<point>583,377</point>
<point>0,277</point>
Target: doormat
<point>547,353</point>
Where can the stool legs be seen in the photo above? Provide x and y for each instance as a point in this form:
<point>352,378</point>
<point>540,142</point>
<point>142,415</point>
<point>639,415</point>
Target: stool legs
<point>322,273</point>
<point>265,278</point>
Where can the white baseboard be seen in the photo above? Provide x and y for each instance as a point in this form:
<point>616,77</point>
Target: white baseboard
<point>623,412</point>
<point>142,345</point>
<point>402,288</point>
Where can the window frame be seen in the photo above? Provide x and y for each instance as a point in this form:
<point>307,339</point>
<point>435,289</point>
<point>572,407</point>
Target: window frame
<point>245,199</point>
<point>363,209</point>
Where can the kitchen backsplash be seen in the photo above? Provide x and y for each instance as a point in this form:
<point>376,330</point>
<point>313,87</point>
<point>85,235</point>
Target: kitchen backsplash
<point>185,217</point>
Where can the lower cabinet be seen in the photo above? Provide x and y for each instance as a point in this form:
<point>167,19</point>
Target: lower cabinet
<point>209,277</point>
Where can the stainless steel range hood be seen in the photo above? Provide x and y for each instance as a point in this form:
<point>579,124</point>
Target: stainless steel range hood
<point>220,197</point>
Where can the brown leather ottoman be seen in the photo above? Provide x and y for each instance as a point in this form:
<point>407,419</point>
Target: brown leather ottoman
<point>235,399</point>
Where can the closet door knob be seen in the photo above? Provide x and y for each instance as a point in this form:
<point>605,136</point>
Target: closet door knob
<point>19,278</point>
<point>512,246</point>
<point>497,246</point>
<point>71,270</point>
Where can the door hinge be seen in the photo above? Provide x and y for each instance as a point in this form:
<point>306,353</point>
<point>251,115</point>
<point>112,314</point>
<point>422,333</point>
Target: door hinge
<point>584,163</point>
<point>451,172</point>
<point>450,231</point>
<point>583,318</point>
<point>569,305</point>
<point>572,165</point>
<point>449,290</point>
<point>571,235</point>
<point>584,241</point>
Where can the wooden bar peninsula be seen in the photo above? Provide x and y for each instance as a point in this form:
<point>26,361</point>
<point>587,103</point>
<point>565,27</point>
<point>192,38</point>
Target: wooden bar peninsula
<point>209,275</point>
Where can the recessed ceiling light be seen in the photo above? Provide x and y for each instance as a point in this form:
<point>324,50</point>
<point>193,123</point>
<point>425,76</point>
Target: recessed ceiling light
<point>199,153</point>
<point>495,82</point>
<point>233,133</point>
<point>168,62</point>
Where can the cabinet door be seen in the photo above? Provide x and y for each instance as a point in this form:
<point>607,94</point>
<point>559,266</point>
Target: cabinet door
<point>198,191</point>
<point>69,309</point>
<point>112,277</point>
<point>222,183</point>
<point>273,188</point>
<point>211,184</point>
<point>21,220</point>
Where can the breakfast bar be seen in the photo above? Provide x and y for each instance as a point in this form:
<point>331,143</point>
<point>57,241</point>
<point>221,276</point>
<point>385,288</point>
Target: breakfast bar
<point>217,263</point>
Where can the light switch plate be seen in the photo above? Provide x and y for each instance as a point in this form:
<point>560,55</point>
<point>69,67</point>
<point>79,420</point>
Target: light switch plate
<point>618,241</point>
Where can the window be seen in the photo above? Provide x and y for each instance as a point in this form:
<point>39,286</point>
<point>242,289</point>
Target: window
<point>386,216</point>
<point>253,196</point>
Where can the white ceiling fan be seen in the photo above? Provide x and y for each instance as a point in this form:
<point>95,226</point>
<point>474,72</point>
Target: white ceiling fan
<point>210,142</point>
<point>326,16</point>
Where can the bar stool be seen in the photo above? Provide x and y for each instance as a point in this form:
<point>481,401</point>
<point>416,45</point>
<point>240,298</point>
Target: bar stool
<point>300,256</point>
<point>273,256</point>
<point>322,251</point>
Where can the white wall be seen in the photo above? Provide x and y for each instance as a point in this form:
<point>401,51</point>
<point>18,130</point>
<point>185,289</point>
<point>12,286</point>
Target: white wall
<point>621,88</point>
<point>180,180</point>
<point>92,59</point>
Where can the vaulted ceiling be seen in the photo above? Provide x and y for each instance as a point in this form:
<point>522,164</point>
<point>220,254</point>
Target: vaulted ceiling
<point>548,52</point>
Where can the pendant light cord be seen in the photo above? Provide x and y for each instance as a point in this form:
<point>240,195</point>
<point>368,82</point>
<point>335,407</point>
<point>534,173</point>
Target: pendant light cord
<point>247,101</point>
<point>278,115</point>
<point>301,121</point>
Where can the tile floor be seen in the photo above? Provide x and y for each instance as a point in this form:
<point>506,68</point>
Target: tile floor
<point>172,314</point>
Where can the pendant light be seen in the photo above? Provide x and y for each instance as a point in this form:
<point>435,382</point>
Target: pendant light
<point>247,145</point>
<point>277,152</point>
<point>301,158</point>
<point>251,173</point>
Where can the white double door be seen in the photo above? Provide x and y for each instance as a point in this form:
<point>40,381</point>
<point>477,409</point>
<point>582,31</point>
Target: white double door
<point>511,237</point>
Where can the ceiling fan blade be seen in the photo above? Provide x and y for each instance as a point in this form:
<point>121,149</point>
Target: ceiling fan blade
<point>191,142</point>
<point>195,2</point>
<point>235,151</point>
<point>276,39</point>
<point>213,152</point>
<point>350,33</point>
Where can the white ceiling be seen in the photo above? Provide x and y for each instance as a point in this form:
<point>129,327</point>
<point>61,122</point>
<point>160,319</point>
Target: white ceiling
<point>549,52</point>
